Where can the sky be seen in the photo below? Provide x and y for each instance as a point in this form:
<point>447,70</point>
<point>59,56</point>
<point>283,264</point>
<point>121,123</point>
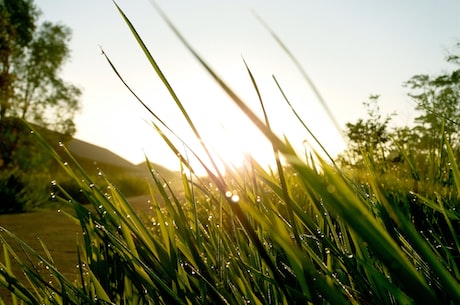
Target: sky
<point>350,50</point>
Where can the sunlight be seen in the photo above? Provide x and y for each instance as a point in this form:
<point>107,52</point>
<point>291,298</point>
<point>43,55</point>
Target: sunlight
<point>231,146</point>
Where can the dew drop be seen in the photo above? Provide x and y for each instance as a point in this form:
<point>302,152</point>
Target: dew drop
<point>331,188</point>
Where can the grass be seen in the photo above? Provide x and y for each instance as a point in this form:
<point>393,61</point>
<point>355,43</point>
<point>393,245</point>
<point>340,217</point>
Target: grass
<point>305,232</point>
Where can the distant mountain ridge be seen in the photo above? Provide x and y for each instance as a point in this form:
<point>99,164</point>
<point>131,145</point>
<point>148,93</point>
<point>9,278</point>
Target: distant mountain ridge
<point>91,156</point>
<point>97,154</point>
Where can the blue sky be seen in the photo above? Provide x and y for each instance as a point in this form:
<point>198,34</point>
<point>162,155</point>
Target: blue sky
<point>350,49</point>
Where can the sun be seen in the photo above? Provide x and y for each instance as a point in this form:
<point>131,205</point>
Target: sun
<point>232,145</point>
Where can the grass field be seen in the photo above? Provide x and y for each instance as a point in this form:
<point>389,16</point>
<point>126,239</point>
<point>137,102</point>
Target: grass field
<point>304,231</point>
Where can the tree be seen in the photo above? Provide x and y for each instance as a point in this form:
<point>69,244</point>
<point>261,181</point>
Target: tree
<point>31,89</point>
<point>438,100</point>
<point>17,24</point>
<point>368,137</point>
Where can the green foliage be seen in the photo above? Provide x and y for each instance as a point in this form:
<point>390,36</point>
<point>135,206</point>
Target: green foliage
<point>31,57</point>
<point>24,182</point>
<point>30,62</point>
<point>418,152</point>
<point>11,192</point>
<point>369,137</point>
<point>438,100</point>
<point>307,233</point>
<point>20,191</point>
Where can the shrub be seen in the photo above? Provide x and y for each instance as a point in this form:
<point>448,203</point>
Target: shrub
<point>20,191</point>
<point>11,193</point>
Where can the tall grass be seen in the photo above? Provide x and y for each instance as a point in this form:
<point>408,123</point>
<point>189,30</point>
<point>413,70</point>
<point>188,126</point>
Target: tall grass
<point>303,233</point>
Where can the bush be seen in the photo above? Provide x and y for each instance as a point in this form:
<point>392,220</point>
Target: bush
<point>131,185</point>
<point>11,193</point>
<point>21,191</point>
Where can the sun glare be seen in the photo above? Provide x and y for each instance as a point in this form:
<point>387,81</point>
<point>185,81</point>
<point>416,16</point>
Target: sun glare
<point>232,146</point>
<point>228,134</point>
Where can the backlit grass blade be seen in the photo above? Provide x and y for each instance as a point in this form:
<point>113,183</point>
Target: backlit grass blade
<point>9,269</point>
<point>62,291</point>
<point>99,290</point>
<point>168,86</point>
<point>343,201</point>
<point>303,123</point>
<point>405,226</point>
<point>303,73</point>
<point>279,166</point>
<point>453,166</point>
<point>236,99</point>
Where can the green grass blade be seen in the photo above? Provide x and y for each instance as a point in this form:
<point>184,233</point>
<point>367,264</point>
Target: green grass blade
<point>303,123</point>
<point>303,73</point>
<point>168,86</point>
<point>453,167</point>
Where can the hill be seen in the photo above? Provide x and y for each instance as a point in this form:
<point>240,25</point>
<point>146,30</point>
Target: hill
<point>85,150</point>
<point>91,157</point>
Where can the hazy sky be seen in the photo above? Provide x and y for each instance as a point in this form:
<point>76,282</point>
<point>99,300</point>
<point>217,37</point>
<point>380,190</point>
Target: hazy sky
<point>350,49</point>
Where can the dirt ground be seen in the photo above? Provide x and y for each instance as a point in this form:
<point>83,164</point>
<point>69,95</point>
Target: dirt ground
<point>58,232</point>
